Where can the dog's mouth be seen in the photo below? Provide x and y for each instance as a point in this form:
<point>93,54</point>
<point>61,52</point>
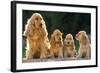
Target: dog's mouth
<point>68,43</point>
<point>57,39</point>
<point>39,25</point>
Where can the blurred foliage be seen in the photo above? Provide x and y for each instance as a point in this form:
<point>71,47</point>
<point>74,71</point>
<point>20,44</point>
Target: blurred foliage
<point>66,22</point>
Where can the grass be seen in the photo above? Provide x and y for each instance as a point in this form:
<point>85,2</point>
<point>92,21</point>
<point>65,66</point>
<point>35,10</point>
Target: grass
<point>77,45</point>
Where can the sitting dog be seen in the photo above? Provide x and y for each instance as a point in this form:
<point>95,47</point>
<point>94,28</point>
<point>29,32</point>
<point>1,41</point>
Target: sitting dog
<point>56,42</point>
<point>85,49</point>
<point>69,47</point>
<point>37,43</point>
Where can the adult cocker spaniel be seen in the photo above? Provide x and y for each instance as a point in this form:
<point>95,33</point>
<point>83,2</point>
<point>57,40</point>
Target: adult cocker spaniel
<point>37,43</point>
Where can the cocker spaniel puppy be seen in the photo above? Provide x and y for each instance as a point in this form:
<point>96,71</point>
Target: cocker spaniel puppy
<point>85,49</point>
<point>56,42</point>
<point>69,47</point>
<point>37,43</point>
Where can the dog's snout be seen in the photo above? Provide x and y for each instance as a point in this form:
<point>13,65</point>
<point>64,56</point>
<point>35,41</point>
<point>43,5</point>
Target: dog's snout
<point>41,24</point>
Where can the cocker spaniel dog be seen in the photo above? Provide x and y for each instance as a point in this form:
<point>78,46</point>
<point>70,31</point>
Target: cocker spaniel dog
<point>85,49</point>
<point>69,47</point>
<point>56,42</point>
<point>37,43</point>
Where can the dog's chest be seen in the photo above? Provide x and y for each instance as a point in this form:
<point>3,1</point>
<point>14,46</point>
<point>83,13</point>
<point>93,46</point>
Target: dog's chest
<point>69,48</point>
<point>37,35</point>
<point>58,45</point>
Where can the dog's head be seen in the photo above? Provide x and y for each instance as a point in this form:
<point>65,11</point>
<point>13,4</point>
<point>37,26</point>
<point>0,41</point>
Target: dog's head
<point>82,37</point>
<point>36,20</point>
<point>56,36</point>
<point>69,40</point>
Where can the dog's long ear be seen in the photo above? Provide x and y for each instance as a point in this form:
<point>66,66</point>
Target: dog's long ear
<point>65,41</point>
<point>73,44</point>
<point>28,28</point>
<point>84,38</point>
<point>44,28</point>
<point>52,39</point>
<point>31,21</point>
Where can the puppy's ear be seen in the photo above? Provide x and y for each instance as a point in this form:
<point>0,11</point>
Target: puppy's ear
<point>84,38</point>
<point>72,39</point>
<point>52,36</point>
<point>64,41</point>
<point>52,39</point>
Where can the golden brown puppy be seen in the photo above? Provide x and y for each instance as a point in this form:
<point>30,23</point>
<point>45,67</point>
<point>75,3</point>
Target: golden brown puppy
<point>85,49</point>
<point>69,46</point>
<point>56,42</point>
<point>37,42</point>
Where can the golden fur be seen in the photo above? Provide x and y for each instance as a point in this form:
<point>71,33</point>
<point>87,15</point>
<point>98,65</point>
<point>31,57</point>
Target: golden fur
<point>37,43</point>
<point>56,42</point>
<point>69,46</point>
<point>85,49</point>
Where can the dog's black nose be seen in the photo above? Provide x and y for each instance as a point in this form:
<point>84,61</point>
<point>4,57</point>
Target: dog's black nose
<point>68,42</point>
<point>40,24</point>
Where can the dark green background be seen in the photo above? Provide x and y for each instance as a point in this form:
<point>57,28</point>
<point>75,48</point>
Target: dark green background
<point>66,22</point>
